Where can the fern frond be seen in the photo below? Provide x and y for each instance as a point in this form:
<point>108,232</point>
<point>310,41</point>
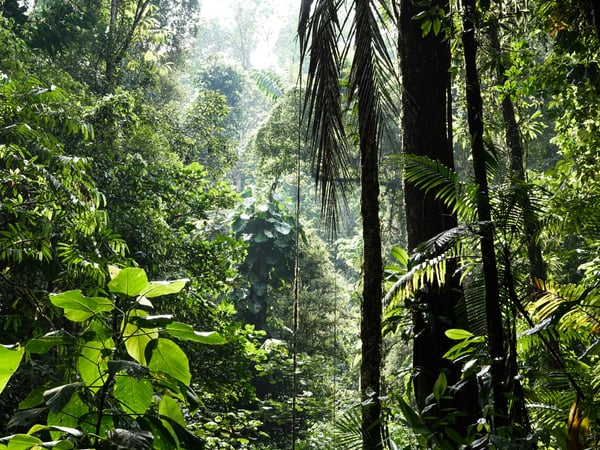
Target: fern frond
<point>570,306</point>
<point>269,84</point>
<point>443,182</point>
<point>427,266</point>
<point>348,429</point>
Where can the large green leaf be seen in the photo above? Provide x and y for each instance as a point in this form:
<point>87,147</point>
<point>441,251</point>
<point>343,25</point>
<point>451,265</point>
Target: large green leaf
<point>79,307</point>
<point>20,441</point>
<point>164,438</point>
<point>185,436</point>
<point>89,422</point>
<point>70,416</point>
<point>43,344</point>
<point>58,397</point>
<point>170,408</point>
<point>10,358</point>
<point>130,281</point>
<point>166,356</point>
<point>137,338</point>
<point>186,332</point>
<point>134,395</point>
<point>158,288</point>
<point>93,363</point>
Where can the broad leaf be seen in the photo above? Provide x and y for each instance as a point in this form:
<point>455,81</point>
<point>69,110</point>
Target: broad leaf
<point>185,436</point>
<point>57,398</point>
<point>79,307</point>
<point>166,356</point>
<point>170,408</point>
<point>130,281</point>
<point>137,338</point>
<point>134,395</point>
<point>93,363</point>
<point>186,332</point>
<point>70,416</point>
<point>457,334</point>
<point>45,343</point>
<point>158,288</point>
<point>10,358</point>
<point>164,439</point>
<point>20,441</point>
<point>89,422</point>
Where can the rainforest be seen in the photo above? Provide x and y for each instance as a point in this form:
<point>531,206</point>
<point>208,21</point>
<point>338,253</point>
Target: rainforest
<point>299,224</point>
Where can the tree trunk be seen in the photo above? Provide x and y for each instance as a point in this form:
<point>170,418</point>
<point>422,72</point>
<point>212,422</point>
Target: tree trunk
<point>537,268</point>
<point>370,327</point>
<point>490,271</point>
<point>426,128</point>
<point>111,45</point>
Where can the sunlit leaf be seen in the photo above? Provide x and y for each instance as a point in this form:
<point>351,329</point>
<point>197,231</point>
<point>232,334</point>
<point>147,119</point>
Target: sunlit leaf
<point>134,395</point>
<point>137,338</point>
<point>187,332</point>
<point>20,442</point>
<point>130,281</point>
<point>93,363</point>
<point>457,334</point>
<point>78,307</point>
<point>166,356</point>
<point>170,408</point>
<point>158,288</point>
<point>10,358</point>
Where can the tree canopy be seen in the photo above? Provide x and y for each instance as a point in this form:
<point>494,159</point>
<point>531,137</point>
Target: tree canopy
<point>361,224</point>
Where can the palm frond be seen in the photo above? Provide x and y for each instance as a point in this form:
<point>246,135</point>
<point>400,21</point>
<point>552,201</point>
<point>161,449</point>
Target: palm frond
<point>568,306</point>
<point>319,31</point>
<point>473,306</point>
<point>348,429</point>
<point>427,266</point>
<point>373,73</point>
<point>443,182</point>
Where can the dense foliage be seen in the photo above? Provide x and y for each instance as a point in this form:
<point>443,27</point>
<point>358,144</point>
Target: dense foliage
<point>146,140</point>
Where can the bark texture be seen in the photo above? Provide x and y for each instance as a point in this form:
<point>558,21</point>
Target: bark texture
<point>426,125</point>
<point>370,328</point>
<point>494,322</point>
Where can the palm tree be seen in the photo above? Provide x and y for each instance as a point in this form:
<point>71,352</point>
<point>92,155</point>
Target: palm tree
<point>320,31</point>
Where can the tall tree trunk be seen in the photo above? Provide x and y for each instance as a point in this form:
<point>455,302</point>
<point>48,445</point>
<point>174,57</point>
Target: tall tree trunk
<point>490,271</point>
<point>426,130</point>
<point>537,267</point>
<point>370,327</point>
<point>111,45</point>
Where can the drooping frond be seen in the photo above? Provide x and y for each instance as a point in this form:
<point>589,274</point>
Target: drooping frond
<point>569,307</point>
<point>427,266</point>
<point>319,32</point>
<point>373,74</point>
<point>443,182</point>
<point>323,50</point>
<point>348,429</point>
<point>269,83</point>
